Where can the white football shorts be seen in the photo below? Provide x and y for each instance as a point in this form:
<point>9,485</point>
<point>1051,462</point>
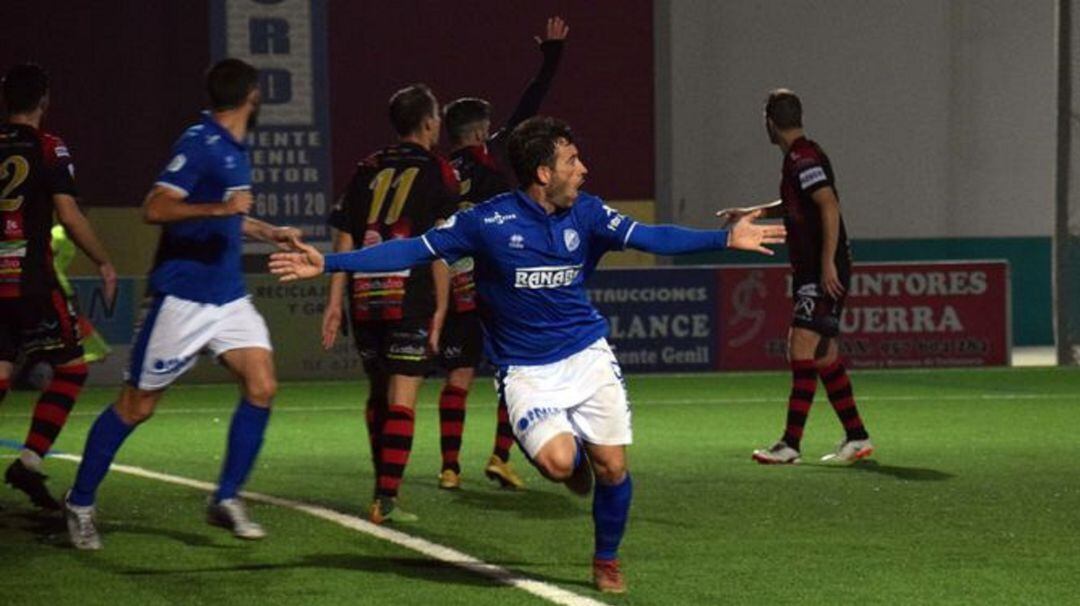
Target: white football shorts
<point>582,394</point>
<point>173,331</point>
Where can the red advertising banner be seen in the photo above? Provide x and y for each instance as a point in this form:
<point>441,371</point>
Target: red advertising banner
<point>896,315</point>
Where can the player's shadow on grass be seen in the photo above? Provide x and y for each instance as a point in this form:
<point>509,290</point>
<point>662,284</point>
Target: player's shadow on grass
<point>531,504</point>
<point>914,474</point>
<point>191,539</point>
<point>417,568</point>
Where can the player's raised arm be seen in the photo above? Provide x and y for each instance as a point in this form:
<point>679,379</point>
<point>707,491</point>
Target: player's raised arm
<point>551,46</point>
<point>677,240</point>
<point>393,255</point>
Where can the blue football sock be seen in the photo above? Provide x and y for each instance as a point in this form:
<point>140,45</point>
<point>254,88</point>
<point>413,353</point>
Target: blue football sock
<point>106,435</point>
<point>245,439</point>
<point>611,507</point>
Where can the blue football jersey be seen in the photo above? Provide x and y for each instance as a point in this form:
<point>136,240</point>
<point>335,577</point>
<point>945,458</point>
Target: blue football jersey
<point>200,260</point>
<point>530,270</point>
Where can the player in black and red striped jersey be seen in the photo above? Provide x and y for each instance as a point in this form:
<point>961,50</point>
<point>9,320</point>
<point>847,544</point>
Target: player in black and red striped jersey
<point>477,155</point>
<point>821,265</point>
<point>400,191</point>
<point>36,318</point>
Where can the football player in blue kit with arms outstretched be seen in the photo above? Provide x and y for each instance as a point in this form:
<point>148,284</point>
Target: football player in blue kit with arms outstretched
<point>533,250</point>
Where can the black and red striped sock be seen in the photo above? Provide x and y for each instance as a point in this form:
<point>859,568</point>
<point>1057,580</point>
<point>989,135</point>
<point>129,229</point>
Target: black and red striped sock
<point>375,417</point>
<point>52,408</point>
<point>451,425</point>
<point>803,386</point>
<point>504,434</point>
<point>838,386</point>
<point>396,443</point>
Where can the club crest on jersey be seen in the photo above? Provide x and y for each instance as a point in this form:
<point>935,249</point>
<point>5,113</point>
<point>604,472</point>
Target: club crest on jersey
<point>571,239</point>
<point>546,277</point>
<point>517,241</point>
<point>177,163</point>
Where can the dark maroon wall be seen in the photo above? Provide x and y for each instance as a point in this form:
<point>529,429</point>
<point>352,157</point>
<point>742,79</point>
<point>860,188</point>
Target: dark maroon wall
<point>127,77</point>
<point>604,87</point>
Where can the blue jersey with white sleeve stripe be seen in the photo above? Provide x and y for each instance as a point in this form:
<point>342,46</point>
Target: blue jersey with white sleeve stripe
<point>530,271</point>
<point>200,259</point>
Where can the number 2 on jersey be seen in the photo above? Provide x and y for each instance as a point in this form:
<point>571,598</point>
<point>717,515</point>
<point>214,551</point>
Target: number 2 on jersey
<point>14,170</point>
<point>380,187</point>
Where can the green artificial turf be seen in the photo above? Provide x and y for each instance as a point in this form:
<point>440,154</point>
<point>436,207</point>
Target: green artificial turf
<point>971,497</point>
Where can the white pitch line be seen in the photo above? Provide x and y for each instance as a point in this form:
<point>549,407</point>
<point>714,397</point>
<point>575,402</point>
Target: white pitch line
<point>442,553</point>
<point>165,410</point>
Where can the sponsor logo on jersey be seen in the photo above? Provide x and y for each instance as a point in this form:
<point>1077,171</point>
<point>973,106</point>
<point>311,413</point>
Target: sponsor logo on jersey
<point>546,277</point>
<point>177,163</point>
<point>230,162</point>
<point>517,241</point>
<point>499,219</point>
<point>571,239</point>
<point>811,176</point>
<point>62,151</point>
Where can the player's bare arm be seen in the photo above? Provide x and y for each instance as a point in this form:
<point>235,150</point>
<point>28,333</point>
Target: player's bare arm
<point>83,235</point>
<point>772,210</point>
<point>332,314</point>
<point>440,276</point>
<point>829,205</point>
<point>283,236</point>
<point>166,205</point>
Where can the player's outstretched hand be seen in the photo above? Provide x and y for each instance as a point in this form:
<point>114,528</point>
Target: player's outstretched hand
<point>557,29</point>
<point>289,266</point>
<point>287,238</point>
<point>744,234</point>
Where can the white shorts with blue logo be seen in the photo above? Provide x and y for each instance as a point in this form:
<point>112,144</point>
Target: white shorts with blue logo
<point>173,331</point>
<point>583,395</point>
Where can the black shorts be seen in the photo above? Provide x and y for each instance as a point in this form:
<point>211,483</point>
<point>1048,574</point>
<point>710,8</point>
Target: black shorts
<point>814,309</point>
<point>44,327</point>
<point>396,348</point>
<point>462,342</point>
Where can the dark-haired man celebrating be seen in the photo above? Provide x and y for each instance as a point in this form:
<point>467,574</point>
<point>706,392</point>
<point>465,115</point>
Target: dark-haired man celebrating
<point>197,301</point>
<point>37,177</point>
<point>821,267</point>
<point>476,156</point>
<point>398,192</point>
<point>534,248</point>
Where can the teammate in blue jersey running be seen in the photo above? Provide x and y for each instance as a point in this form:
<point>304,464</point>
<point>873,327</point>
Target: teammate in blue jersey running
<point>197,301</point>
<point>533,250</point>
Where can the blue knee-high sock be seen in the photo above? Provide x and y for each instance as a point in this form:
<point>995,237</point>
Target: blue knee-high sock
<point>611,507</point>
<point>245,439</point>
<point>106,435</point>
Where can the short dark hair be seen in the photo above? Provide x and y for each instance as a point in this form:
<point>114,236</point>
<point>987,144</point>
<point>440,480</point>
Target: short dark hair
<point>229,82</point>
<point>463,113</point>
<point>25,85</point>
<point>532,145</point>
<point>409,106</point>
<point>784,109</point>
